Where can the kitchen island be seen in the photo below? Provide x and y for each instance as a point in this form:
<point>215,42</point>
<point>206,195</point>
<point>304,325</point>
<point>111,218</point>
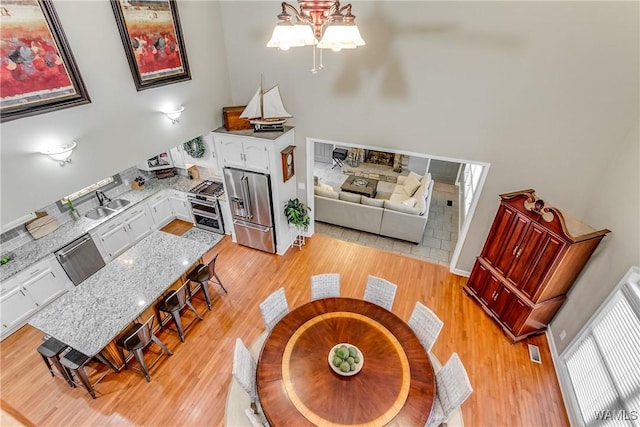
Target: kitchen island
<point>92,314</point>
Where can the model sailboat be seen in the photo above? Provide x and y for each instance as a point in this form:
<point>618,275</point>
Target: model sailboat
<point>266,111</point>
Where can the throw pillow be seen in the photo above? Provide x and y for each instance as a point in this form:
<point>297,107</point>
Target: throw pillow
<point>411,184</point>
<point>349,197</point>
<point>378,203</point>
<point>415,175</point>
<point>325,193</point>
<point>325,186</point>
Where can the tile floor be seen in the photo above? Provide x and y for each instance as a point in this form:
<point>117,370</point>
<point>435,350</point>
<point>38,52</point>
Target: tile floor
<point>439,238</point>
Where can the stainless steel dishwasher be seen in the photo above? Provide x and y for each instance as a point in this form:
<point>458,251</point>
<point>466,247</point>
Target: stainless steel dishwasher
<point>80,259</point>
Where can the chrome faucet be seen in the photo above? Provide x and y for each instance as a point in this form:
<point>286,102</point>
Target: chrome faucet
<point>102,197</point>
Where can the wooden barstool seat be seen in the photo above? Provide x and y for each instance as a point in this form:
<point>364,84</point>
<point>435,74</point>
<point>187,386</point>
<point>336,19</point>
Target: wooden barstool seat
<point>50,350</point>
<point>75,362</point>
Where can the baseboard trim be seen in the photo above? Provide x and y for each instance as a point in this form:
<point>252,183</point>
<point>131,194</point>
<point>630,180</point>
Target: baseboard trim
<point>555,358</point>
<point>459,272</point>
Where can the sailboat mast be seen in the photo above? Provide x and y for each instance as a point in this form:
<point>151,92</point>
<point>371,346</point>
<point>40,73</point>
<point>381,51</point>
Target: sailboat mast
<point>261,99</point>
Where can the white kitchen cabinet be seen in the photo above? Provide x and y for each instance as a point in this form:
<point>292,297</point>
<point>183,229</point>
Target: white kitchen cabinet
<point>177,155</point>
<point>180,206</point>
<point>160,208</point>
<point>243,153</point>
<point>113,238</point>
<point>30,290</point>
<point>138,223</point>
<point>17,306</point>
<point>123,231</point>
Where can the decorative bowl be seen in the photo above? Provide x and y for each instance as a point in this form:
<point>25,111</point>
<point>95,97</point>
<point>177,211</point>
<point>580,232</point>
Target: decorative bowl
<point>358,366</point>
<point>360,182</point>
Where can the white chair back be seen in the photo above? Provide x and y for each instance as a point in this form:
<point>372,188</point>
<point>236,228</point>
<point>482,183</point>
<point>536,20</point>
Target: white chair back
<point>325,286</point>
<point>380,292</point>
<point>274,308</point>
<point>426,325</point>
<point>452,386</point>
<point>244,369</point>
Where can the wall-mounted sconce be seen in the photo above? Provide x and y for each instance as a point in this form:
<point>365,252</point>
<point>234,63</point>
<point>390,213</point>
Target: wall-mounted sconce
<point>61,153</point>
<point>174,115</point>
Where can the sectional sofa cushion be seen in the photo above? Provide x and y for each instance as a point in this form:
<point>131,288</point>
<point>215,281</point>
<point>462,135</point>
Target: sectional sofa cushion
<point>349,197</point>
<point>379,203</point>
<point>400,207</point>
<point>325,193</point>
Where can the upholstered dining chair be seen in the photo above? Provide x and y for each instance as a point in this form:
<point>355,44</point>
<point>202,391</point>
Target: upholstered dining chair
<point>274,308</point>
<point>452,389</point>
<point>426,325</point>
<point>380,291</point>
<point>244,371</point>
<point>325,286</point>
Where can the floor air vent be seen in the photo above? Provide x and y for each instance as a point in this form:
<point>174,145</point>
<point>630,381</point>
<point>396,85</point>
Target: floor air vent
<point>534,354</point>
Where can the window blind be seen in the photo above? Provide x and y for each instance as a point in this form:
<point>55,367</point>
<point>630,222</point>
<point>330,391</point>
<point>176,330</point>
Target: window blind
<point>604,365</point>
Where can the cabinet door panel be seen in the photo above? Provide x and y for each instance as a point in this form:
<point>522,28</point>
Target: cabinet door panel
<point>490,291</point>
<point>256,156</point>
<point>511,246</point>
<point>496,239</point>
<point>115,240</point>
<point>526,253</point>
<point>551,249</point>
<point>515,313</point>
<point>478,278</point>
<point>501,301</point>
<point>139,226</point>
<point>232,153</point>
<point>44,287</point>
<point>161,211</point>
<point>16,307</point>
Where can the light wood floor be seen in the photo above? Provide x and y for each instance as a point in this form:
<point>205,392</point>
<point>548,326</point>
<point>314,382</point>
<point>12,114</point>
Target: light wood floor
<point>190,387</point>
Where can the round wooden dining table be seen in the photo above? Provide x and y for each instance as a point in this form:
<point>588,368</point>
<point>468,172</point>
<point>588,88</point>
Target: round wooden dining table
<point>296,385</point>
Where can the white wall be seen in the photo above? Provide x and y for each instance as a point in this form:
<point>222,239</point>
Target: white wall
<point>121,126</point>
<point>545,92</point>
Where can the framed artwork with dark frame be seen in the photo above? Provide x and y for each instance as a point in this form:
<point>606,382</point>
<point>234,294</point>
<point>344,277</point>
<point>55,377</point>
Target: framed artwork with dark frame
<point>152,39</point>
<point>38,73</point>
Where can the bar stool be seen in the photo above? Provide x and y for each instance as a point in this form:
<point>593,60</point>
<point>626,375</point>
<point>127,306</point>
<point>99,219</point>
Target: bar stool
<point>138,337</point>
<point>50,351</point>
<point>203,274</point>
<point>174,303</point>
<point>75,362</point>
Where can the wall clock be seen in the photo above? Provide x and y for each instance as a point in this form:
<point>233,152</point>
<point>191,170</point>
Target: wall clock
<point>288,167</point>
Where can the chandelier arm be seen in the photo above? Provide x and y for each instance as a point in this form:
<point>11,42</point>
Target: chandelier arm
<point>299,16</point>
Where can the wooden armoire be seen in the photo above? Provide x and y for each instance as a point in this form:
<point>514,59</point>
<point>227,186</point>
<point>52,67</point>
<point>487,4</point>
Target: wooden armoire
<point>530,259</point>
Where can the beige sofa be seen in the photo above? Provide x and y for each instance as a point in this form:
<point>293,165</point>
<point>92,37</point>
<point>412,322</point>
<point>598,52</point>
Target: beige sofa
<point>398,217</point>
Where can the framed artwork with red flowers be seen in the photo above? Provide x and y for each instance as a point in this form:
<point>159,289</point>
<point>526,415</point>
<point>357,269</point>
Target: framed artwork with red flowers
<point>152,39</point>
<point>38,73</point>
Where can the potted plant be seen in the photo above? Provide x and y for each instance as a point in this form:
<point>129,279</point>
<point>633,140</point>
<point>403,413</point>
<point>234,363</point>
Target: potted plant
<point>297,213</point>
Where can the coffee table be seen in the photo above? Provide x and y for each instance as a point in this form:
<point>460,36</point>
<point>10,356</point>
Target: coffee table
<point>358,185</point>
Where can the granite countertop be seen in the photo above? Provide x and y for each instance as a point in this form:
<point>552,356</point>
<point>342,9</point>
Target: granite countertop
<point>44,247</point>
<point>92,314</point>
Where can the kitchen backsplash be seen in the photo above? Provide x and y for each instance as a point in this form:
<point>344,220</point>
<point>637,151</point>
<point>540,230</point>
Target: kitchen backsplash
<point>12,239</point>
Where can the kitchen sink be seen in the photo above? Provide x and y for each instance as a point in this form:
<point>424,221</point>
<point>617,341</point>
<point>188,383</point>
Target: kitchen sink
<point>99,212</point>
<point>117,203</point>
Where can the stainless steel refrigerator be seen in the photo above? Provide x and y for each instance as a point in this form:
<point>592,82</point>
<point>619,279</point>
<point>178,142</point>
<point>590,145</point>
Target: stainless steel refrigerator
<point>249,196</point>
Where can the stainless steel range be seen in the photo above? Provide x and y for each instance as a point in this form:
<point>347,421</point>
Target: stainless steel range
<point>203,199</point>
